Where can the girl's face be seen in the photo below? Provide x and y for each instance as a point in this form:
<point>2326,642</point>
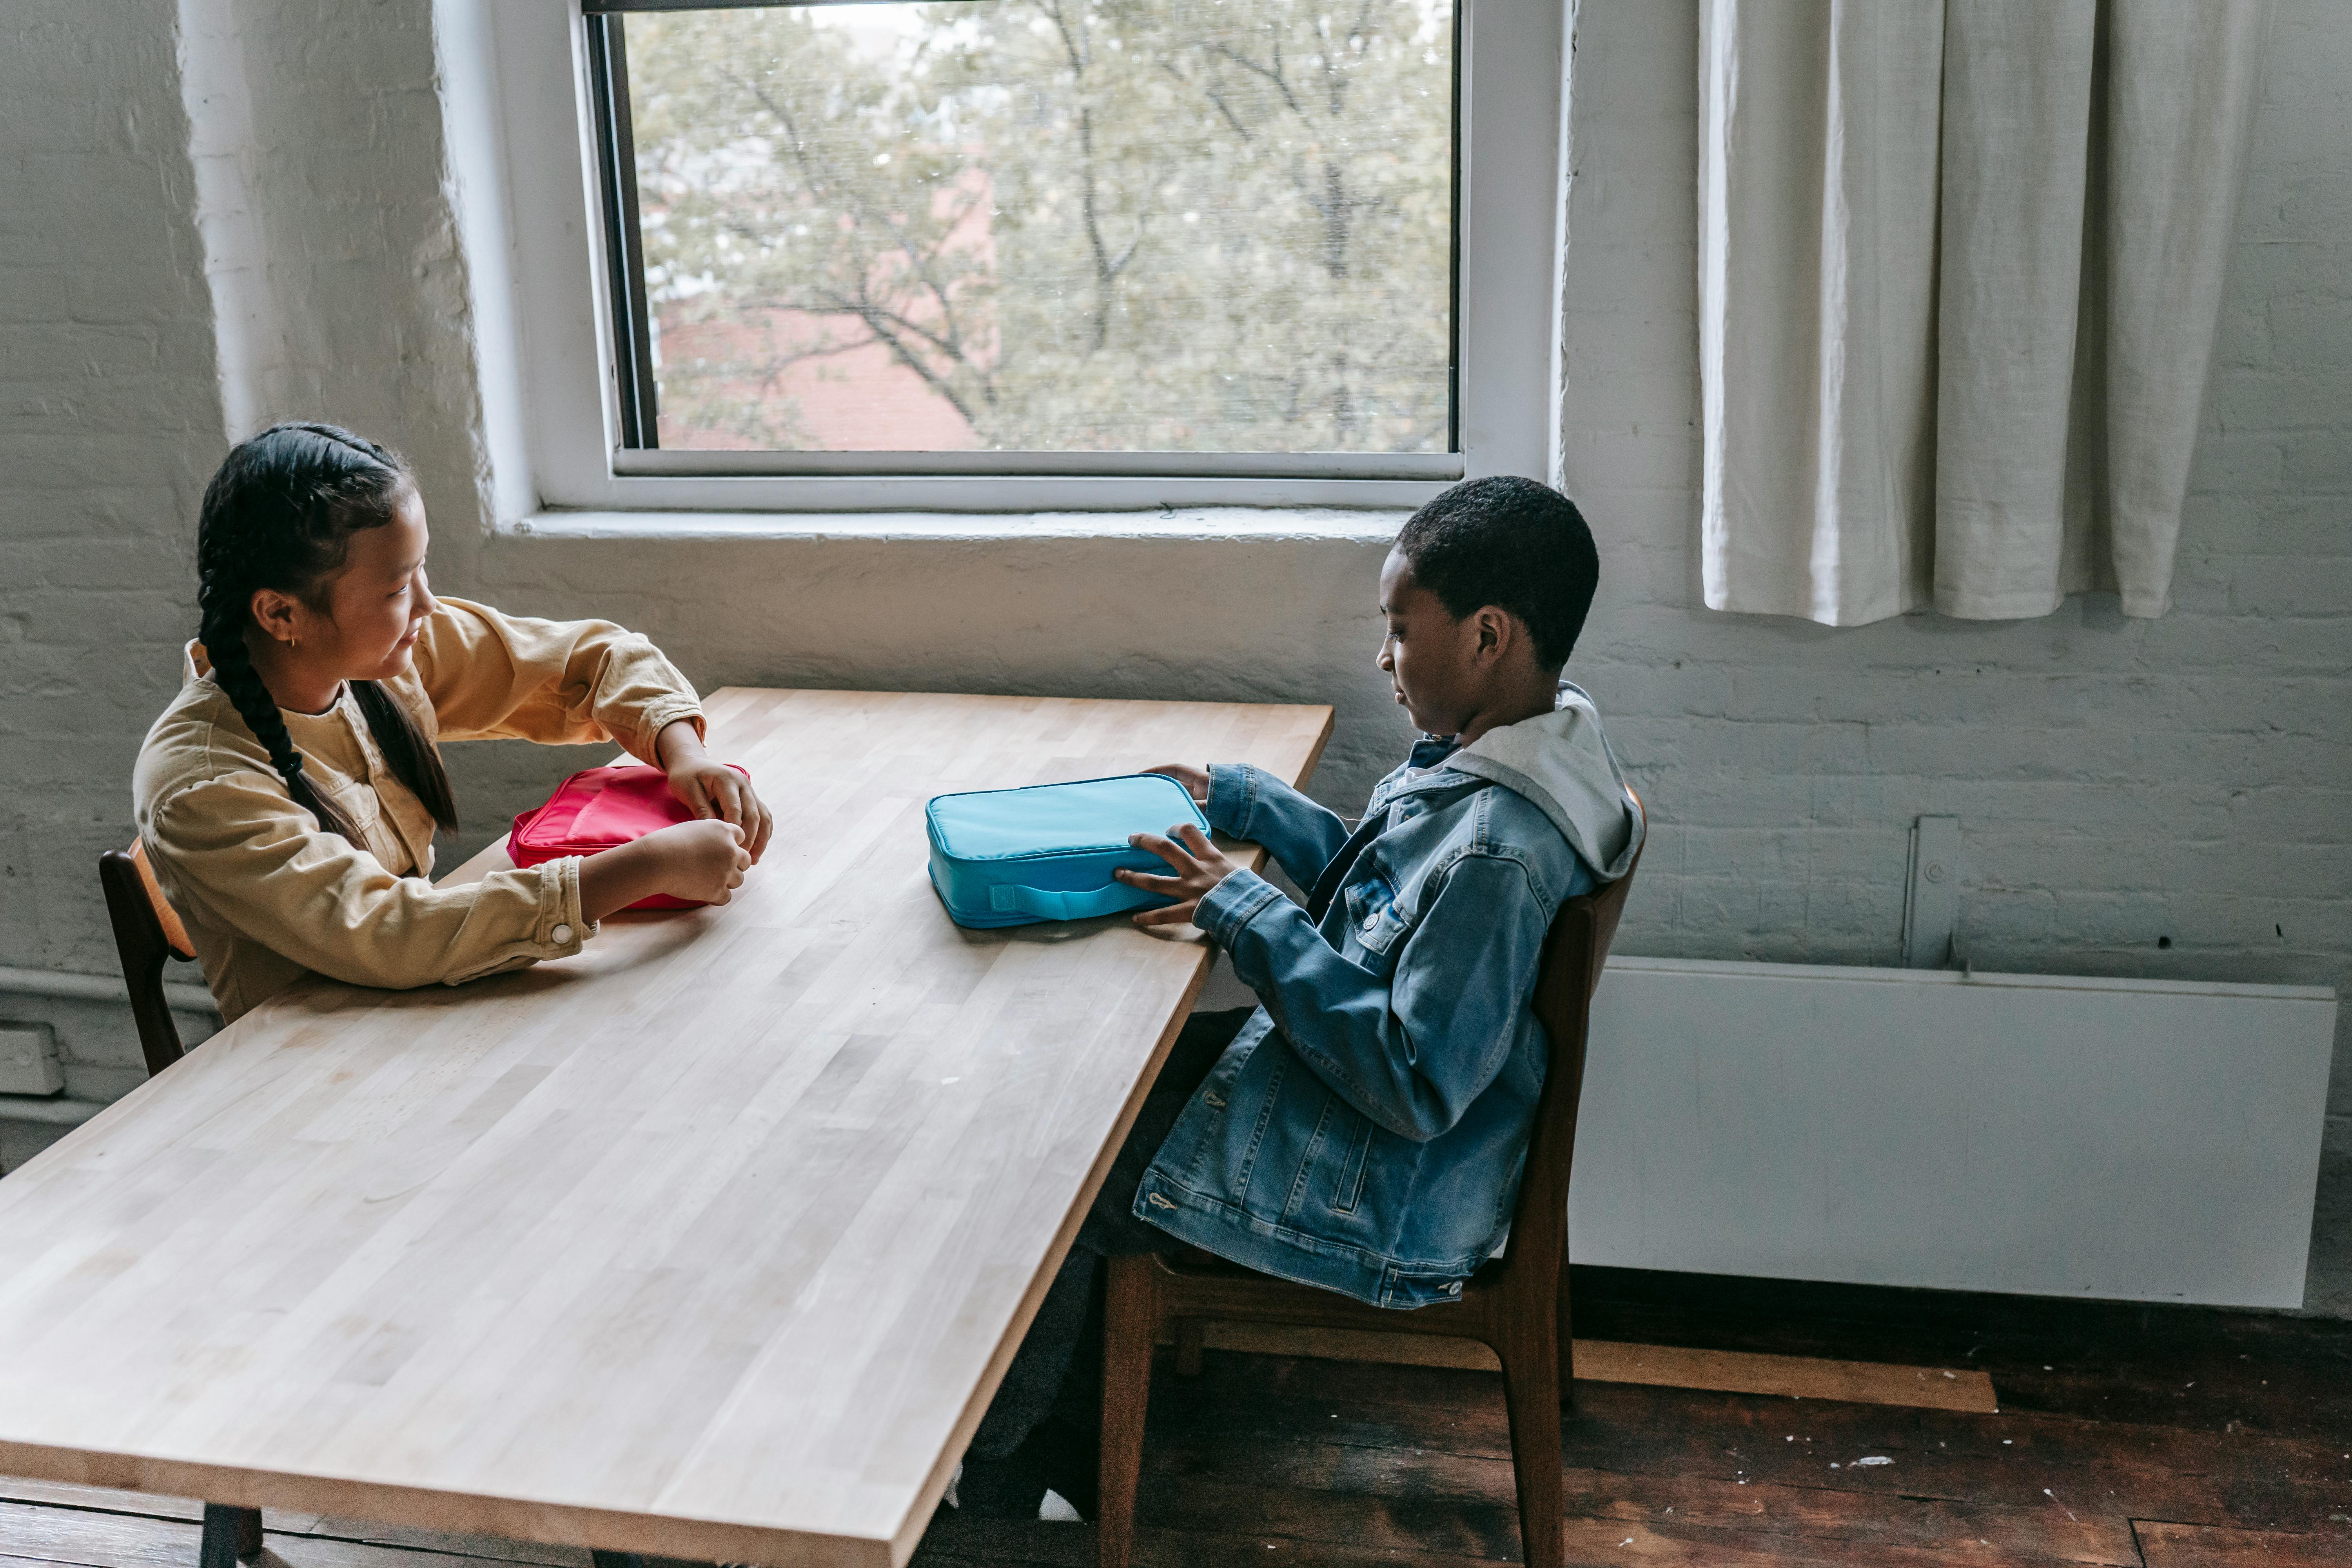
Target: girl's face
<point>362,623</point>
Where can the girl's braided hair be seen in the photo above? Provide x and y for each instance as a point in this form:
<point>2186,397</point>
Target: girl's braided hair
<point>280,514</point>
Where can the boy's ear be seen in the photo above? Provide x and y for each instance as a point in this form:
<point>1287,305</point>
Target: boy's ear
<point>1497,631</point>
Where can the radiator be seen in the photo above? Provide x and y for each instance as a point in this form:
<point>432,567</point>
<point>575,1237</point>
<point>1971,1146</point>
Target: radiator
<point>2133,1140</point>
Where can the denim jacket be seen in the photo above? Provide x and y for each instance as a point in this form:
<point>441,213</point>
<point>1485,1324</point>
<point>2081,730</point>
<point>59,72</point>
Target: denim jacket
<point>1365,1130</point>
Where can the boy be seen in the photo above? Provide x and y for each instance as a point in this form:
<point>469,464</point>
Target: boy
<point>1364,1130</point>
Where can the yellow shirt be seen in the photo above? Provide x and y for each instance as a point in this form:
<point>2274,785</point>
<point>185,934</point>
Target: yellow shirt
<point>268,896</point>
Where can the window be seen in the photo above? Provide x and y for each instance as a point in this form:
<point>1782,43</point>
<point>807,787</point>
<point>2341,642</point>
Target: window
<point>1011,254</point>
<point>1035,226</point>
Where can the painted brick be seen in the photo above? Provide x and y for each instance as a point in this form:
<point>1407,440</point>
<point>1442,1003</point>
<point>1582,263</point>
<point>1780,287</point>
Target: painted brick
<point>2318,461</point>
<point>108,420</point>
<point>2276,400</point>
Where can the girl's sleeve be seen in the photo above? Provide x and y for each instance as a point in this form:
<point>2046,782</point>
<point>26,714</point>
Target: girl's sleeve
<point>261,864</point>
<point>489,675</point>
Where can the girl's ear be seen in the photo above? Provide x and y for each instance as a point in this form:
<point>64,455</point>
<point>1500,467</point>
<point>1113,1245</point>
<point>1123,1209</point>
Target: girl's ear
<point>276,613</point>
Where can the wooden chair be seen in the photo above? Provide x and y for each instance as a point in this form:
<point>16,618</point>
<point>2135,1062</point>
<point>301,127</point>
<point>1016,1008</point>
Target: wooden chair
<point>1518,1304</point>
<point>146,932</point>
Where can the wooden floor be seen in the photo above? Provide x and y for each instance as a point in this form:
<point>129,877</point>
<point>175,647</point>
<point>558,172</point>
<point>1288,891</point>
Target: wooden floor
<point>2136,1437</point>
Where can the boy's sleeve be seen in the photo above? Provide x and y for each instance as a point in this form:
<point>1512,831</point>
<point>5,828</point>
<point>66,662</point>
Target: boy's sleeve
<point>495,676</point>
<point>1412,1049</point>
<point>1250,803</point>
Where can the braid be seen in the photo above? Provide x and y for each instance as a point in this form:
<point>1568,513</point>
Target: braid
<point>279,514</point>
<point>410,753</point>
<point>221,602</point>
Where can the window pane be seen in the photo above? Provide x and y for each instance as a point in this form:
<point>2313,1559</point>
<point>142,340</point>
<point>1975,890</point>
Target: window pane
<point>1050,225</point>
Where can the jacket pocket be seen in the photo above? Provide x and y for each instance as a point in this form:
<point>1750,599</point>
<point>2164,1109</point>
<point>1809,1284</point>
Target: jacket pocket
<point>1239,1183</point>
<point>1375,924</point>
<point>1347,1189</point>
<point>378,834</point>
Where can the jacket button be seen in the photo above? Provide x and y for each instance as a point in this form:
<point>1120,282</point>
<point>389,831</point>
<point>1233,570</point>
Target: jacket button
<point>1455,1289</point>
<point>559,935</point>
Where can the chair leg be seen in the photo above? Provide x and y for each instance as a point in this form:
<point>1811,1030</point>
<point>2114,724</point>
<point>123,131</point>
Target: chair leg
<point>1188,1339</point>
<point>1130,1327</point>
<point>1532,1387</point>
<point>1565,1339</point>
<point>231,1535</point>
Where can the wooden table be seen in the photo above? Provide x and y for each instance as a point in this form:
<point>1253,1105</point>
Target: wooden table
<point>711,1241</point>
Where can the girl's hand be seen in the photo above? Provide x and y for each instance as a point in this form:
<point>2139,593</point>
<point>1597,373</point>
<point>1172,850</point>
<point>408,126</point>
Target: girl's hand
<point>1200,866</point>
<point>711,789</point>
<point>704,862</point>
<point>1195,780</point>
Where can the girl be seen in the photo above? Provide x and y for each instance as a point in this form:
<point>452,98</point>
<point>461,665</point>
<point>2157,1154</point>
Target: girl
<point>288,796</point>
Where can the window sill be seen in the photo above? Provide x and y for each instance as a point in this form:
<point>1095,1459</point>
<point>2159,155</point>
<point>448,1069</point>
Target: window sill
<point>1015,495</point>
<point>1252,525</point>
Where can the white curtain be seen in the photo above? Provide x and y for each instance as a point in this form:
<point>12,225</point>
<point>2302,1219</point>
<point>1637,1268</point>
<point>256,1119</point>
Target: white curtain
<point>1960,264</point>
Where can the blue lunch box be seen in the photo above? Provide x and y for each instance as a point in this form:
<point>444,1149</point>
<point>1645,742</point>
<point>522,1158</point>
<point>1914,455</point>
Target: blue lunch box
<point>1012,857</point>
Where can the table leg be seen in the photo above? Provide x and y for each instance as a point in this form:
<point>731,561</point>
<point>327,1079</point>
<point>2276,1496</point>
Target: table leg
<point>231,1535</point>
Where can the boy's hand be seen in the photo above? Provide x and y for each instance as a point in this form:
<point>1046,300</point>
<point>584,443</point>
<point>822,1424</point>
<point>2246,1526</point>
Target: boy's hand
<point>711,789</point>
<point>1200,866</point>
<point>1195,780</point>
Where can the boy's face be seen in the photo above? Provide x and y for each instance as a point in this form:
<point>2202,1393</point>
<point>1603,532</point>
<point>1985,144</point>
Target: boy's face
<point>1432,658</point>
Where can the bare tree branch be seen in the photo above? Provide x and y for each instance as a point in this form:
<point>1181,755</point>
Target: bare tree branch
<point>923,262</point>
<point>1272,73</point>
<point>1214,97</point>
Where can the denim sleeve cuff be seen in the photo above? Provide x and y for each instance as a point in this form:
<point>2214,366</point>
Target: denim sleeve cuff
<point>1231,904</point>
<point>1233,792</point>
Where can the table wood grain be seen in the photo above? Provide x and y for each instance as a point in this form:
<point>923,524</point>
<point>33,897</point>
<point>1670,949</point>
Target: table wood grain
<point>713,1240</point>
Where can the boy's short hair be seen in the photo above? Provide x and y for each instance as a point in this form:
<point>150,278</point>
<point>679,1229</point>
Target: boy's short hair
<point>1511,543</point>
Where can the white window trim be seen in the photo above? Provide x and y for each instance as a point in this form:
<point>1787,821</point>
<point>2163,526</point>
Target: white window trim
<point>543,325</point>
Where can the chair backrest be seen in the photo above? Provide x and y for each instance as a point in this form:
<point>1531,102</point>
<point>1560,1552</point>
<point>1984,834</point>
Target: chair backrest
<point>147,930</point>
<point>1574,952</point>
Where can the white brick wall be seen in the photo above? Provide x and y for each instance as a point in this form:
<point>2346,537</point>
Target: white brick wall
<point>109,425</point>
<point>2118,782</point>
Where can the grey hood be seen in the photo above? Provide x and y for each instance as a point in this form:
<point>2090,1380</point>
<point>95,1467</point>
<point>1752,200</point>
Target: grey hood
<point>1561,762</point>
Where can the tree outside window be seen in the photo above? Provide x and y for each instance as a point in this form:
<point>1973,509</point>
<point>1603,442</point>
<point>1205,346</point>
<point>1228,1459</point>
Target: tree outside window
<point>1050,225</point>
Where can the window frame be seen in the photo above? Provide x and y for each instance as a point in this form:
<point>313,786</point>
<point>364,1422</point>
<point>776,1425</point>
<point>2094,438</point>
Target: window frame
<point>551,87</point>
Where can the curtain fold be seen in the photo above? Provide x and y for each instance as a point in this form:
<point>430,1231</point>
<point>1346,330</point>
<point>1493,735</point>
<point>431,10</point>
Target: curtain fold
<point>1959,267</point>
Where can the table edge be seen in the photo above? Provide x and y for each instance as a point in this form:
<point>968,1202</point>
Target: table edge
<point>544,1521</point>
